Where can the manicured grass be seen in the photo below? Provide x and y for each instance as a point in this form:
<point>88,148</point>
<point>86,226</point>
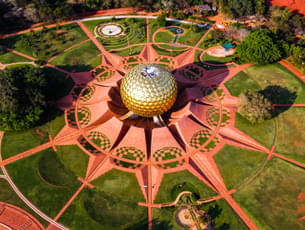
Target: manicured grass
<point>48,44</point>
<point>73,158</point>
<point>276,74</point>
<point>210,41</point>
<point>54,172</point>
<point>170,189</point>
<point>120,183</point>
<point>291,136</point>
<point>8,195</point>
<point>216,60</point>
<point>135,50</point>
<point>172,47</point>
<point>134,33</point>
<point>63,167</point>
<point>17,142</point>
<point>10,57</point>
<point>164,219</point>
<point>79,59</point>
<point>240,83</point>
<point>164,36</point>
<point>223,216</point>
<point>271,199</point>
<point>111,205</point>
<point>262,132</point>
<point>236,165</point>
<point>191,38</point>
<point>47,197</point>
<point>153,27</point>
<point>167,53</point>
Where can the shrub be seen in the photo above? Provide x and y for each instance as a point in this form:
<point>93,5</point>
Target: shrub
<point>254,107</point>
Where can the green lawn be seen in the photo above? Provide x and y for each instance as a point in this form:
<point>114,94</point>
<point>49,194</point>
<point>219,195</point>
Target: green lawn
<point>111,205</point>
<point>223,216</point>
<point>17,142</point>
<point>135,50</point>
<point>262,132</point>
<point>216,60</point>
<point>10,57</point>
<point>79,59</point>
<point>240,83</point>
<point>276,74</point>
<point>167,53</point>
<point>153,27</point>
<point>8,195</point>
<point>271,199</point>
<point>172,47</point>
<point>164,219</point>
<point>47,44</point>
<point>191,38</point>
<point>164,36</point>
<point>48,195</point>
<point>63,167</point>
<point>170,189</point>
<point>291,136</point>
<point>236,165</point>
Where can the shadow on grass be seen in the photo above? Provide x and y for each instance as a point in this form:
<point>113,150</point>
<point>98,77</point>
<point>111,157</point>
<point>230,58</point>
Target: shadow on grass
<point>279,95</point>
<point>76,67</point>
<point>214,212</point>
<point>156,225</point>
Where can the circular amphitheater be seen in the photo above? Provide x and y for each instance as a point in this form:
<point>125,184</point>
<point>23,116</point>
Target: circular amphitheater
<point>12,217</point>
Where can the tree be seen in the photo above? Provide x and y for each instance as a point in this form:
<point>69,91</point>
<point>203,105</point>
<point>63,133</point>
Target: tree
<point>161,19</point>
<point>258,47</point>
<point>23,100</point>
<point>238,8</point>
<point>260,6</point>
<point>254,107</point>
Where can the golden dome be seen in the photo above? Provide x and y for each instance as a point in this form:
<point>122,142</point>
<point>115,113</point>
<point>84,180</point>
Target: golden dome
<point>148,90</point>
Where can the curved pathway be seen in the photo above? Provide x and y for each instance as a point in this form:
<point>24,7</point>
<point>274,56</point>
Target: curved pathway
<point>22,197</point>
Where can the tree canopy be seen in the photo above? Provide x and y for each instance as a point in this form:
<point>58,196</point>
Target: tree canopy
<point>259,47</point>
<point>22,92</point>
<point>254,106</point>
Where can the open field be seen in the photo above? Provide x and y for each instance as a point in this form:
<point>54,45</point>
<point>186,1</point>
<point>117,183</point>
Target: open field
<point>170,189</point>
<point>79,59</point>
<point>236,165</point>
<point>291,136</point>
<point>108,206</point>
<point>276,74</point>
<point>240,83</point>
<point>271,200</point>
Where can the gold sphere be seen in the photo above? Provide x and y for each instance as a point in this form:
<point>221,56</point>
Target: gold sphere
<point>149,90</point>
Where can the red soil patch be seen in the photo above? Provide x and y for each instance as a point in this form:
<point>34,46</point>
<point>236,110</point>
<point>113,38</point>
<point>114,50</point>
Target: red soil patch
<point>301,209</point>
<point>298,5</point>
<point>301,197</point>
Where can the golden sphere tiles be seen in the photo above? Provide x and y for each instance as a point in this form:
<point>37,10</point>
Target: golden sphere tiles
<point>148,90</point>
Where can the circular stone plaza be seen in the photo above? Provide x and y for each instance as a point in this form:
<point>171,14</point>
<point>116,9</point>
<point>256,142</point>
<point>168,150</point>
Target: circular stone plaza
<point>149,136</point>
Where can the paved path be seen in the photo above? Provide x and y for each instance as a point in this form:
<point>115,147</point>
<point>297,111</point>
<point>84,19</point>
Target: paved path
<point>293,69</point>
<point>69,202</point>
